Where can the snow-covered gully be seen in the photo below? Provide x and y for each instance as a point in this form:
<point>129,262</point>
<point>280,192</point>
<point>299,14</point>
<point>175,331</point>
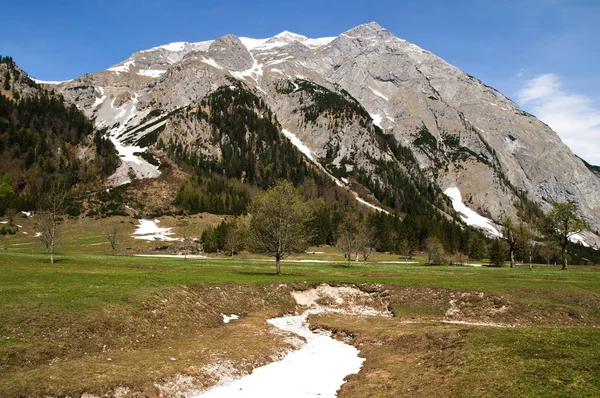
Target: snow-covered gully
<point>318,368</point>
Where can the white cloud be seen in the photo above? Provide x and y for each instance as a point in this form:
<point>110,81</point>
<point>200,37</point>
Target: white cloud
<point>574,117</point>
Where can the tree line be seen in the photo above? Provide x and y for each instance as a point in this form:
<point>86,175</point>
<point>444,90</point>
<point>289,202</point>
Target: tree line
<point>280,222</point>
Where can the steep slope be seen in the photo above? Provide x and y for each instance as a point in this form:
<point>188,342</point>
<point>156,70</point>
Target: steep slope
<point>462,133</point>
<point>40,137</point>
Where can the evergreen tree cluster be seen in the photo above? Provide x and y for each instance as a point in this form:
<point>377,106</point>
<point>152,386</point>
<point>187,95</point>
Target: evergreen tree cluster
<point>38,135</point>
<point>409,235</point>
<point>321,101</point>
<point>212,193</point>
<point>250,139</point>
<point>254,152</point>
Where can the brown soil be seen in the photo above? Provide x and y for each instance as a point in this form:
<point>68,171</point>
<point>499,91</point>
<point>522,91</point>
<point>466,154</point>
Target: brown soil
<point>143,347</point>
<point>401,359</point>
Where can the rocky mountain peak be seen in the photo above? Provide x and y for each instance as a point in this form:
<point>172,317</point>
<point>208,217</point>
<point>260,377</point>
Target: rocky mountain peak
<point>368,29</point>
<point>229,52</point>
<point>328,93</point>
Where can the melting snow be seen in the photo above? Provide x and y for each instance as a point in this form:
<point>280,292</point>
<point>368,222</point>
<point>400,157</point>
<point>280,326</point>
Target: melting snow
<point>176,46</point>
<point>194,256</point>
<point>469,216</point>
<point>577,238</point>
<point>151,72</point>
<point>229,318</point>
<point>100,100</point>
<point>150,231</point>
<point>283,39</point>
<point>251,44</point>
<point>318,368</point>
<point>377,93</point>
<point>298,144</point>
<point>123,68</point>
<point>211,62</point>
<point>180,46</point>
<point>254,72</point>
<point>130,162</point>
<point>306,151</point>
<point>320,42</point>
<point>364,202</point>
<point>377,119</point>
<point>50,81</point>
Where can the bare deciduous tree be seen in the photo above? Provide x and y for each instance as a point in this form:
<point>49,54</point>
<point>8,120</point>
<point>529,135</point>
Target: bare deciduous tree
<point>51,207</point>
<point>236,231</point>
<point>278,223</point>
<point>366,240</point>
<point>111,234</point>
<point>348,236</point>
<point>186,245</point>
<point>529,245</point>
<point>509,234</point>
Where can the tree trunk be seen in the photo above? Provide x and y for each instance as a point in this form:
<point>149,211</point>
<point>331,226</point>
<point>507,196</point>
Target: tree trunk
<point>564,256</point>
<point>512,258</point>
<point>278,265</point>
<point>530,265</point>
<point>52,256</point>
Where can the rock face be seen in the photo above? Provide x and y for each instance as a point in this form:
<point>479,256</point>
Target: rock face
<point>339,96</point>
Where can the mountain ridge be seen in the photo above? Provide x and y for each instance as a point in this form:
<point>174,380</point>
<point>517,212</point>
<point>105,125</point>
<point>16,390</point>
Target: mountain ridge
<point>463,133</point>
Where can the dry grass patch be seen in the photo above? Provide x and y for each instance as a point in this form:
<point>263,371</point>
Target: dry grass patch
<point>401,359</point>
<point>144,339</point>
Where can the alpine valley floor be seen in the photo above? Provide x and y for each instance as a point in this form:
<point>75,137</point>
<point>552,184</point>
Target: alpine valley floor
<point>139,326</point>
<point>124,325</point>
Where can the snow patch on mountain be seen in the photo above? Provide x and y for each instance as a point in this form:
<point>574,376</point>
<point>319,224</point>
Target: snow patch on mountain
<point>319,42</point>
<point>211,62</point>
<point>255,72</point>
<point>283,39</point>
<point>100,100</point>
<point>151,72</point>
<point>376,119</point>
<point>118,69</point>
<point>577,238</point>
<point>469,216</point>
<point>377,93</point>
<point>50,81</point>
<point>251,44</point>
<point>372,206</point>
<point>298,144</point>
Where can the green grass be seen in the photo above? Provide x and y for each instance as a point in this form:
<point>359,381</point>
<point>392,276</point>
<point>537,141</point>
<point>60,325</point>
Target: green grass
<point>85,282</point>
<point>541,362</point>
<point>88,293</point>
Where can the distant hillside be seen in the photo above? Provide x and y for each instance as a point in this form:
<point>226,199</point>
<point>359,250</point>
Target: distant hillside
<point>40,137</point>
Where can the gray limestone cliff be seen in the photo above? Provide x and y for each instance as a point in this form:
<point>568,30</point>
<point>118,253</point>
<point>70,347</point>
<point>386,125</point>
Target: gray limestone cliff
<point>462,132</point>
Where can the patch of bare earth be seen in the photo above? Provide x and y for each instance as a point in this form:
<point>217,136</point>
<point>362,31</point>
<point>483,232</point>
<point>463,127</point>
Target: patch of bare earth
<point>166,344</point>
<point>157,195</point>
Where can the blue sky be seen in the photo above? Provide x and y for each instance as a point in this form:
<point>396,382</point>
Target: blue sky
<point>542,53</point>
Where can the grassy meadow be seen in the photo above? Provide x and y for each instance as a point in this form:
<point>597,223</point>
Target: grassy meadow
<point>126,324</point>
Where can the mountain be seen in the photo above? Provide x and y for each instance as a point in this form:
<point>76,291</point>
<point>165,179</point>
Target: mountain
<point>42,136</point>
<point>381,116</point>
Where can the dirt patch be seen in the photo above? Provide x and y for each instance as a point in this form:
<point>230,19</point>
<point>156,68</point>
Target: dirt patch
<point>345,299</point>
<point>523,307</point>
<point>165,337</point>
<point>401,359</point>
